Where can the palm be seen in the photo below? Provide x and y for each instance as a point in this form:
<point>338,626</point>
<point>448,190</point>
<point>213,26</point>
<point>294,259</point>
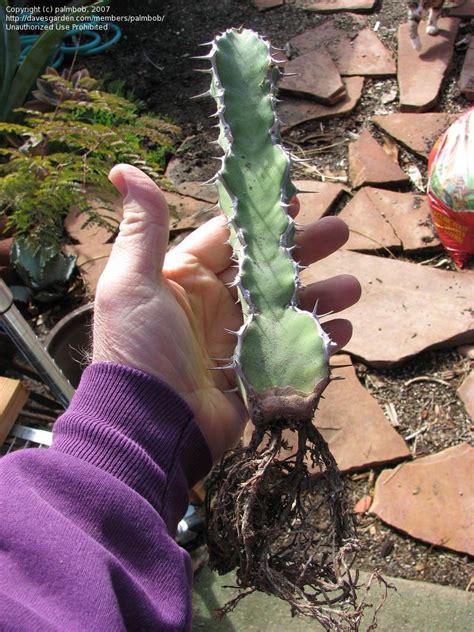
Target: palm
<point>211,312</point>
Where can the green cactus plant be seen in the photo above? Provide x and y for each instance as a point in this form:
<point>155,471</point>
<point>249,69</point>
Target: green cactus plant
<point>262,517</point>
<point>254,192</point>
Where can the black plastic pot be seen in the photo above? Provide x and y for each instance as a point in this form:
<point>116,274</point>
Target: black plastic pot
<point>69,342</point>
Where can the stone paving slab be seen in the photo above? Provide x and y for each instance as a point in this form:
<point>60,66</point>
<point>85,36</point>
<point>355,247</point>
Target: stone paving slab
<point>362,55</point>
<point>421,73</point>
<point>466,393</point>
<point>296,111</point>
<point>187,213</point>
<point>367,56</point>
<point>405,307</point>
<point>362,506</point>
<point>265,5</point>
<point>386,219</point>
<point>174,170</point>
<point>431,498</point>
<point>413,607</point>
<point>316,77</point>
<point>319,202</point>
<point>333,6</point>
<point>326,34</point>
<point>417,132</point>
<point>464,10</point>
<point>92,234</point>
<point>355,427</point>
<point>369,164</point>
<point>466,79</point>
<point>199,191</point>
<point>74,225</point>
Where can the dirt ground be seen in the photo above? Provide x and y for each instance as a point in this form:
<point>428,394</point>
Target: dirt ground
<point>155,61</point>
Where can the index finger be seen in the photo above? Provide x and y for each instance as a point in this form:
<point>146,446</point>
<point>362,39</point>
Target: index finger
<point>209,243</point>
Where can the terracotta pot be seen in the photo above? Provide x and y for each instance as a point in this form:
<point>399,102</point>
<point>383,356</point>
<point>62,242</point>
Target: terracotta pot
<point>5,248</point>
<point>69,342</point>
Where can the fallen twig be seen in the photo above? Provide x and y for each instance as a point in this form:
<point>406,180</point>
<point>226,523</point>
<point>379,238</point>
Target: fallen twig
<point>417,432</point>
<point>426,378</point>
<point>392,414</point>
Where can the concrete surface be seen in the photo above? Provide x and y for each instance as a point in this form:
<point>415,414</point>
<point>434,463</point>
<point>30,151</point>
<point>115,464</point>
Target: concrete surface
<point>414,607</point>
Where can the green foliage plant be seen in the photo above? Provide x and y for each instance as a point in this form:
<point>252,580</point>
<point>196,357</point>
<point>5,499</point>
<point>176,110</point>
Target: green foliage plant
<point>17,80</point>
<point>63,149</point>
<point>286,532</point>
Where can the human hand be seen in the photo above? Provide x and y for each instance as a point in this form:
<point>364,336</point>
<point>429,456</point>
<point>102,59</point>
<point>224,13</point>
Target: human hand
<point>167,314</point>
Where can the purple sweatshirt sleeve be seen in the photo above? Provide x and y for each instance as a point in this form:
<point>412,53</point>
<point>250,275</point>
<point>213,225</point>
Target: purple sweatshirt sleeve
<point>87,526</point>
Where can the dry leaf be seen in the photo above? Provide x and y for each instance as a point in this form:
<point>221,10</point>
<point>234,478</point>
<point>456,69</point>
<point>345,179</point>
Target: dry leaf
<point>391,148</point>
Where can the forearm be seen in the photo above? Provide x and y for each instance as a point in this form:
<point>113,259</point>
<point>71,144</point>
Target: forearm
<point>87,526</point>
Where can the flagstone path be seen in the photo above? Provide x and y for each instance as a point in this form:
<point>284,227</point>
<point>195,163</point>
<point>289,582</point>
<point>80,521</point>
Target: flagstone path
<point>316,199</point>
<point>421,73</point>
<point>380,219</point>
<point>369,164</point>
<point>315,76</point>
<point>405,307</point>
<point>265,5</point>
<point>417,132</point>
<point>187,213</point>
<point>352,422</point>
<point>363,55</point>
<point>331,6</point>
<point>85,233</point>
<point>431,498</point>
<point>296,111</point>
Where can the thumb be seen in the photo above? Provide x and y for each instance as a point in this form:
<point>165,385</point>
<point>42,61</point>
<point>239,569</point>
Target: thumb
<point>141,244</point>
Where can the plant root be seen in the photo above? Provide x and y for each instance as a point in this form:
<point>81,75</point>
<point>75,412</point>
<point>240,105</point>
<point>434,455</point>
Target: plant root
<point>287,531</point>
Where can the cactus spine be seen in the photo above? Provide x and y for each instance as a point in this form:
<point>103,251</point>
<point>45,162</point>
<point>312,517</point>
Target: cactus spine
<point>281,355</point>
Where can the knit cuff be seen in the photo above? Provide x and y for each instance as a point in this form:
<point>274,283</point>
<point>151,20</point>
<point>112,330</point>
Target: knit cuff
<point>136,428</point>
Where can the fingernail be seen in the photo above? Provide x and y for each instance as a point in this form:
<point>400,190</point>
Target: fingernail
<point>119,181</point>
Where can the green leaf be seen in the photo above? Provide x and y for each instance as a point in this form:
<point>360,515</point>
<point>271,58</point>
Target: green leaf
<point>34,62</point>
<point>9,53</point>
<point>30,68</point>
<point>40,268</point>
